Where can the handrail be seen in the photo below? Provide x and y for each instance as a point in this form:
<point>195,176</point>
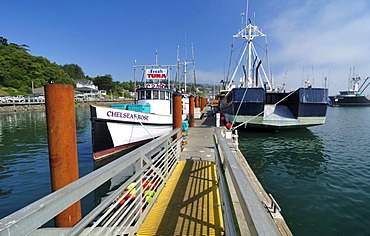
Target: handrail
<point>156,159</point>
<point>258,219</point>
<point>229,222</point>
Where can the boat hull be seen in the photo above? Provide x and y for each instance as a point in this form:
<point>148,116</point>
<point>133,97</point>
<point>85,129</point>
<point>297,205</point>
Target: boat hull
<point>349,101</point>
<point>256,108</point>
<point>116,131</point>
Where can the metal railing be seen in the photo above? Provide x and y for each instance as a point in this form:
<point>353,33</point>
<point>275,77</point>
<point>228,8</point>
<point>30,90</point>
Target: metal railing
<point>122,211</point>
<point>258,219</point>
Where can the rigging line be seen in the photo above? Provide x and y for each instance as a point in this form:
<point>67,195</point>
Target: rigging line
<point>263,111</point>
<point>231,54</point>
<point>146,130</point>
<point>240,105</point>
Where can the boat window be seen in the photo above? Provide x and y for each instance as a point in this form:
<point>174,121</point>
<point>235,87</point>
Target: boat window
<point>155,94</point>
<point>167,97</point>
<point>162,95</point>
<point>141,95</point>
<point>149,94</point>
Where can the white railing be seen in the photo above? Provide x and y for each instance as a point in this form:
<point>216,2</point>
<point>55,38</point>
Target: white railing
<point>122,211</point>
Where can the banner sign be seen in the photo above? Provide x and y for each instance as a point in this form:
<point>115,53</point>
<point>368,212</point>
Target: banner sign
<point>156,73</point>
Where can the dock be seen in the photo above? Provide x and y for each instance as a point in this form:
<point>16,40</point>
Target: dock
<point>203,186</point>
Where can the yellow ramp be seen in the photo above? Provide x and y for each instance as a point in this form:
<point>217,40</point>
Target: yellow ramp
<point>189,204</point>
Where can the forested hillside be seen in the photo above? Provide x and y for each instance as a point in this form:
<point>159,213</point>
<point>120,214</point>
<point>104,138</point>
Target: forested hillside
<point>19,69</point>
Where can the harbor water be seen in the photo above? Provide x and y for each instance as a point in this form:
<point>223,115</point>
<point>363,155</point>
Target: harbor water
<point>319,176</point>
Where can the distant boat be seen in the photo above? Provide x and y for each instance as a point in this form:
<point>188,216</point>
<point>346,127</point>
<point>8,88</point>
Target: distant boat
<point>353,96</point>
<point>257,103</point>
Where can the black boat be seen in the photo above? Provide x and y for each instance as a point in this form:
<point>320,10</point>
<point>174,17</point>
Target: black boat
<point>353,96</point>
<point>257,103</point>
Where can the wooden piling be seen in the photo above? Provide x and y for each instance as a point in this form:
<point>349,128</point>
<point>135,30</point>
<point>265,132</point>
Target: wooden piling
<point>196,102</point>
<point>191,111</point>
<point>177,110</point>
<point>62,140</point>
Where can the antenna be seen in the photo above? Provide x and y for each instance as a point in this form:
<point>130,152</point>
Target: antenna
<point>246,12</point>
<point>156,57</point>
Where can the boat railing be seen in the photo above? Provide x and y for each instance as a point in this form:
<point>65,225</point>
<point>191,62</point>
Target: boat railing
<point>122,210</point>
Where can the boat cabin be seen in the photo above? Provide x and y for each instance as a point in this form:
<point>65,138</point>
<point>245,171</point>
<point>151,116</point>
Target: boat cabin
<point>159,99</point>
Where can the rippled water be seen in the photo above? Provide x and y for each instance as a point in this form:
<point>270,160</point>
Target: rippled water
<point>320,176</point>
<point>24,158</point>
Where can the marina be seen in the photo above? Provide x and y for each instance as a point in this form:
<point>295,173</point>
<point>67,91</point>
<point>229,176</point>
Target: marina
<point>124,211</point>
<point>332,205</point>
<point>168,155</point>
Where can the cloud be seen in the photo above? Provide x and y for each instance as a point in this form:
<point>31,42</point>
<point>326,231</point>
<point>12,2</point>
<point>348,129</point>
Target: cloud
<point>207,77</point>
<point>318,39</point>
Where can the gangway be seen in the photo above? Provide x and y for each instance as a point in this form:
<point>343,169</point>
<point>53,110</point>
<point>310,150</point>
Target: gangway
<point>202,188</point>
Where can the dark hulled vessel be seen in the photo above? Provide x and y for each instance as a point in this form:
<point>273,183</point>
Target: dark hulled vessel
<point>353,96</point>
<point>257,103</point>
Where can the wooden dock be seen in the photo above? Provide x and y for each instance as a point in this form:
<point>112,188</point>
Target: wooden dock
<point>189,204</point>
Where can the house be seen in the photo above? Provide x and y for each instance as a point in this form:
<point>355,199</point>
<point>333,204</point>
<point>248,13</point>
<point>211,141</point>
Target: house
<point>86,89</point>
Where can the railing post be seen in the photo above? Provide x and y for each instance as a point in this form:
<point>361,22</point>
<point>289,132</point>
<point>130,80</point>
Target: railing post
<point>62,140</point>
<point>191,111</point>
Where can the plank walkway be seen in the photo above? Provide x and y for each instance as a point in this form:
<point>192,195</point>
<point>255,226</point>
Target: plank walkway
<point>189,204</point>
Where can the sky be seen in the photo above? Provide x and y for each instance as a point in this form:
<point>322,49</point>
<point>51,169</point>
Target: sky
<point>307,39</point>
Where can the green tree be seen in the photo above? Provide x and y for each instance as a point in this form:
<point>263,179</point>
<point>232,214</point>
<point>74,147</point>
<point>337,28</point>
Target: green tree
<point>104,82</point>
<point>74,71</point>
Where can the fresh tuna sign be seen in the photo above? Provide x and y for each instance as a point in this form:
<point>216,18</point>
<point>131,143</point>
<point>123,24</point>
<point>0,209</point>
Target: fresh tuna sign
<point>156,73</point>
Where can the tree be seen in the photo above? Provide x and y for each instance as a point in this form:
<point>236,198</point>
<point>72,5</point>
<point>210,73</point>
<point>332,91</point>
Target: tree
<point>74,71</point>
<point>104,82</point>
<point>3,41</point>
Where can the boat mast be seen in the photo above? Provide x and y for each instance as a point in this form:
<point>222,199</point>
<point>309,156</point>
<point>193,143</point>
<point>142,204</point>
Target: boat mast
<point>248,33</point>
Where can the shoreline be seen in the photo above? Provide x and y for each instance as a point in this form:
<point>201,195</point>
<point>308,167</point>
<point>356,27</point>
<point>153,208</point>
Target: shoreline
<point>11,108</point>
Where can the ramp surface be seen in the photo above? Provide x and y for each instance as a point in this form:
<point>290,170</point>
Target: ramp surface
<point>189,203</point>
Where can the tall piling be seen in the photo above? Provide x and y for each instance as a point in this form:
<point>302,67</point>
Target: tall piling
<point>62,141</point>
<point>191,111</point>
<point>177,111</point>
<point>197,102</point>
<point>204,103</point>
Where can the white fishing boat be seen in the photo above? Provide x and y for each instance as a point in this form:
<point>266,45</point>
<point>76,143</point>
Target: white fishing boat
<point>122,127</point>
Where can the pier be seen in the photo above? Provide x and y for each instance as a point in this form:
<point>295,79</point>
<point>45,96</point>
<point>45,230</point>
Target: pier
<point>197,183</point>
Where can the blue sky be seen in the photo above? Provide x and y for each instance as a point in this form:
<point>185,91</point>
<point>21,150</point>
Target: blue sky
<point>307,39</point>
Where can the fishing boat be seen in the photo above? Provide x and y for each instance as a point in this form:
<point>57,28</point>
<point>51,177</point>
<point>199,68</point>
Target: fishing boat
<point>122,127</point>
<point>257,103</point>
<point>354,95</point>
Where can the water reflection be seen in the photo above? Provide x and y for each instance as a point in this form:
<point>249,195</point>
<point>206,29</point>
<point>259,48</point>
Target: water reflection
<point>298,153</point>
<point>24,158</point>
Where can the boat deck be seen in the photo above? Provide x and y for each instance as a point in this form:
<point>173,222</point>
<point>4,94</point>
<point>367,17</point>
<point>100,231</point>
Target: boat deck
<point>189,204</point>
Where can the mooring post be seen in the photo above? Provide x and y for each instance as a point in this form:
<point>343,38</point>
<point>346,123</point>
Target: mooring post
<point>177,111</point>
<point>191,111</point>
<point>203,103</point>
<point>62,140</point>
<point>197,102</point>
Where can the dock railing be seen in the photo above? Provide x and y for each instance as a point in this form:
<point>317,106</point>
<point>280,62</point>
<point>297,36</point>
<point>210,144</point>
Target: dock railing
<point>249,214</point>
<point>122,211</point>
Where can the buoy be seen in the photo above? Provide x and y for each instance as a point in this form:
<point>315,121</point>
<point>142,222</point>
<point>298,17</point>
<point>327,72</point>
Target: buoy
<point>228,125</point>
